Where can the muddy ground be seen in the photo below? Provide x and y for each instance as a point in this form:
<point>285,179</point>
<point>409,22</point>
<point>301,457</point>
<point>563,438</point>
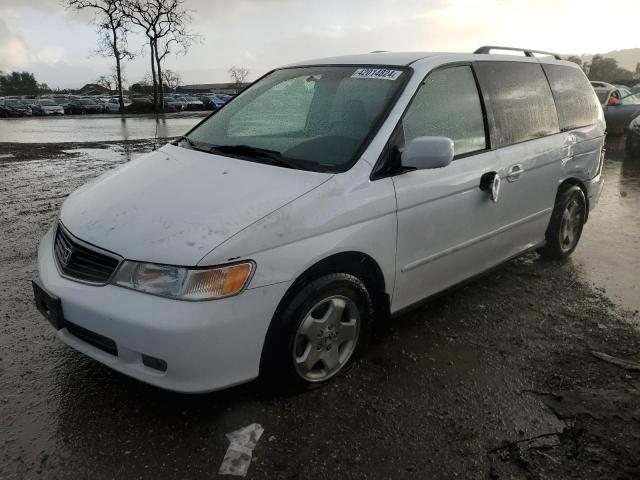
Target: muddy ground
<point>493,380</point>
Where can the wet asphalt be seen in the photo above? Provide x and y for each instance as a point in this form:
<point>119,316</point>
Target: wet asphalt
<point>459,388</point>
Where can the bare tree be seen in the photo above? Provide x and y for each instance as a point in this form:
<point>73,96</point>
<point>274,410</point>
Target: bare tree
<point>105,81</point>
<point>238,76</point>
<point>164,23</point>
<point>171,79</point>
<point>113,26</point>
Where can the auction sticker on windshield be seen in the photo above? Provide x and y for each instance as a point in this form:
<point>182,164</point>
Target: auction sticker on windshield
<point>379,73</point>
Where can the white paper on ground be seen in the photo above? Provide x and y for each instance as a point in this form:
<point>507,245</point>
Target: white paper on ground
<point>241,444</point>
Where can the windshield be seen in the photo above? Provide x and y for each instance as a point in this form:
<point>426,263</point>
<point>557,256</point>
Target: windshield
<point>87,102</point>
<point>47,102</point>
<point>631,99</point>
<point>603,95</point>
<point>316,118</point>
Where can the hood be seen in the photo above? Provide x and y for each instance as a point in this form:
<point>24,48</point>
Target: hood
<point>175,205</point>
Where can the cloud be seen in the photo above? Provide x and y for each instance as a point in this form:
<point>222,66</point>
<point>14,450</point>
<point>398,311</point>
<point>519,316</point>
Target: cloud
<point>14,52</point>
<point>46,5</point>
<point>64,75</point>
<point>49,55</point>
<point>56,43</point>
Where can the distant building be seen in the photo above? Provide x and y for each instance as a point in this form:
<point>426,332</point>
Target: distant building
<point>229,88</point>
<point>94,89</point>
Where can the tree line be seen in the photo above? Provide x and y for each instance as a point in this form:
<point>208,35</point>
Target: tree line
<point>164,24</point>
<point>21,83</point>
<point>605,69</point>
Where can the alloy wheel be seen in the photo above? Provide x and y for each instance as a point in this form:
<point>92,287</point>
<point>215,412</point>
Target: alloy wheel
<point>326,338</point>
<point>570,225</point>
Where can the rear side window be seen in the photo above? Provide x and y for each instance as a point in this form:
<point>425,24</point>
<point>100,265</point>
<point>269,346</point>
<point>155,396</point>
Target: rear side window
<point>576,101</point>
<point>520,100</point>
<point>448,105</point>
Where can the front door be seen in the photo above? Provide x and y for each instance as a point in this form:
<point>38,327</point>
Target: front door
<point>448,228</point>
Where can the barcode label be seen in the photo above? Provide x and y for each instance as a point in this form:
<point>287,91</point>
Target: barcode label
<point>379,73</point>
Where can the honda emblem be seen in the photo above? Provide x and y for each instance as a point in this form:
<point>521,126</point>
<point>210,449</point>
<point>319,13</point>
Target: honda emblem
<point>66,256</point>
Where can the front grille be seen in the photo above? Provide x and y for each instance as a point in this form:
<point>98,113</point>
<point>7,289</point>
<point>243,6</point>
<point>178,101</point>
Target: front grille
<point>92,338</point>
<point>82,263</point>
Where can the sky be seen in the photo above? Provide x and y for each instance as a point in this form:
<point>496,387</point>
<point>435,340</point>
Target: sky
<point>57,44</point>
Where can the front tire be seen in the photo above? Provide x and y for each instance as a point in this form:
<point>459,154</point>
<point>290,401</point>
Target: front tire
<point>320,330</point>
<point>567,221</point>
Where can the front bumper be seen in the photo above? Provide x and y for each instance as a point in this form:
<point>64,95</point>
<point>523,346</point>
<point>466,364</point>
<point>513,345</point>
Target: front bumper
<point>206,345</point>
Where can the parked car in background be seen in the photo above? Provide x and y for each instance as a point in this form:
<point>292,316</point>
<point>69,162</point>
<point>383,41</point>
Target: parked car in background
<point>46,106</point>
<point>141,99</point>
<point>623,89</point>
<point>19,106</point>
<point>619,113</point>
<point>62,101</point>
<point>8,111</point>
<point>192,103</point>
<point>28,101</point>
<point>632,144</point>
<point>330,194</point>
<point>174,104</point>
<point>112,105</point>
<point>85,105</point>
<point>214,101</point>
<point>607,93</point>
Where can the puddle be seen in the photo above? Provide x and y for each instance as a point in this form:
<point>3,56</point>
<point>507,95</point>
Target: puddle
<point>96,128</point>
<point>608,252</point>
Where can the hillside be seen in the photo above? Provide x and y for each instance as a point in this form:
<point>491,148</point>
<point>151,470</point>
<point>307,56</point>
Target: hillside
<point>627,58</point>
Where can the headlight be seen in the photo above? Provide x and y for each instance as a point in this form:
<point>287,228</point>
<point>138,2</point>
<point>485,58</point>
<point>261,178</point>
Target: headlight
<point>184,283</point>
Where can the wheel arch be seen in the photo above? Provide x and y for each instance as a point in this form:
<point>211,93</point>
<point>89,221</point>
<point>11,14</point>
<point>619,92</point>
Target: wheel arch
<point>574,181</point>
<point>358,264</point>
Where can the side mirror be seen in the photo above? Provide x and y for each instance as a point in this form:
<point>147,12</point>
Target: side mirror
<point>424,153</point>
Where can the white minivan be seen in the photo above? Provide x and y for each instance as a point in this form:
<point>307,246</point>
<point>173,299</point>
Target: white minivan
<point>327,195</point>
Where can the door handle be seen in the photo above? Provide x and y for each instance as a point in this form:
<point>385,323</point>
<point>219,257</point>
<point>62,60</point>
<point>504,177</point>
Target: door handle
<point>515,172</point>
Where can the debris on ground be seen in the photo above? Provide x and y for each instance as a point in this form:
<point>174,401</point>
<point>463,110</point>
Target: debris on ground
<point>617,361</point>
<point>241,444</point>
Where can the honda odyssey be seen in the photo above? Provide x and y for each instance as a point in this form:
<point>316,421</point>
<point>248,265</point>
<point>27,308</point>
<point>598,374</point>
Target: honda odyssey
<point>326,196</point>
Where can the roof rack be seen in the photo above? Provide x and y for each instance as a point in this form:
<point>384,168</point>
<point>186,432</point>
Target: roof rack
<point>527,52</point>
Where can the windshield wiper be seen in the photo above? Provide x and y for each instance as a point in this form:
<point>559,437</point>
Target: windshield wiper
<point>191,143</point>
<point>272,157</point>
<point>182,138</point>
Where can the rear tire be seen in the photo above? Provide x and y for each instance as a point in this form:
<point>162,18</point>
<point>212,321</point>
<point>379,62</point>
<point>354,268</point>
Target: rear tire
<point>319,331</point>
<point>565,227</point>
